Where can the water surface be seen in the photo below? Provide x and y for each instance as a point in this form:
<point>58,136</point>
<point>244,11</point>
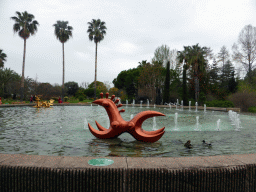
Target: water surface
<point>63,130</point>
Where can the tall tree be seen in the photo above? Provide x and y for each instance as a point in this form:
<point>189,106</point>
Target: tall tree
<point>227,74</point>
<point>174,62</point>
<point>96,30</point>
<point>6,77</point>
<point>161,54</point>
<point>183,58</point>
<point>196,58</point>
<point>223,56</point>
<point>151,80</point>
<point>2,58</point>
<point>214,72</point>
<point>25,26</point>
<point>245,51</point>
<point>128,80</point>
<point>72,87</point>
<point>63,32</point>
<point>232,83</point>
<point>166,97</point>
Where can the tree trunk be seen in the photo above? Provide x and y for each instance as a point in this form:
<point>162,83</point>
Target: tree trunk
<point>167,84</point>
<point>196,88</point>
<point>95,73</point>
<point>63,75</point>
<point>23,69</point>
<point>185,95</point>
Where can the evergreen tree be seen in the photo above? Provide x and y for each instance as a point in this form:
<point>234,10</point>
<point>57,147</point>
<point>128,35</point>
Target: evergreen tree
<point>232,83</point>
<point>227,74</point>
<point>213,73</point>
<point>167,84</point>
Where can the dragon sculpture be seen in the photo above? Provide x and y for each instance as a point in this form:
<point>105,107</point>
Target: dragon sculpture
<point>118,125</point>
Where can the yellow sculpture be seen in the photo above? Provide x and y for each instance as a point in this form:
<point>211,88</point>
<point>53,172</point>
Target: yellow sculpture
<point>43,103</point>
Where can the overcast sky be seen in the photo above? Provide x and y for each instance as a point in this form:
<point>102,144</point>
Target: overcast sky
<point>134,30</point>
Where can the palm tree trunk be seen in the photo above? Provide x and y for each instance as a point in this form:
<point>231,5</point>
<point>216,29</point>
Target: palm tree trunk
<point>23,69</point>
<point>95,73</point>
<point>63,75</point>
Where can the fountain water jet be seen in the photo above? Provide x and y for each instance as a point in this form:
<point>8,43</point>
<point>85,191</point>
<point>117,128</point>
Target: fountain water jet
<point>189,105</point>
<point>126,102</point>
<point>234,117</point>
<point>205,108</point>
<point>176,121</point>
<point>147,103</point>
<point>154,123</point>
<point>218,125</point>
<point>141,103</point>
<point>197,123</point>
<point>85,124</point>
<point>196,106</point>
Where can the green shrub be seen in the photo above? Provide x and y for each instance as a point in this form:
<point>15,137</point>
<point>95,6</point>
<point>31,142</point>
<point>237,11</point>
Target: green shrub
<point>80,98</point>
<point>192,102</point>
<point>252,109</point>
<point>217,103</point>
<point>65,99</point>
<point>55,98</point>
<point>90,92</point>
<point>202,98</point>
<point>79,93</point>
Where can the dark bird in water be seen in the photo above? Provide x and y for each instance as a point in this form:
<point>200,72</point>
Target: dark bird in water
<point>208,144</point>
<point>188,144</point>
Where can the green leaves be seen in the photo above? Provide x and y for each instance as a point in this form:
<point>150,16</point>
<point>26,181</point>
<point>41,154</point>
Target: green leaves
<point>96,30</point>
<point>62,31</point>
<point>2,58</point>
<point>24,24</point>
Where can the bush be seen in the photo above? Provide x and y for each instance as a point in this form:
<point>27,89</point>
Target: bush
<point>243,100</point>
<point>80,98</point>
<point>192,102</point>
<point>217,103</point>
<point>79,93</point>
<point>55,98</point>
<point>202,98</point>
<point>90,92</point>
<point>252,109</point>
<point>65,99</point>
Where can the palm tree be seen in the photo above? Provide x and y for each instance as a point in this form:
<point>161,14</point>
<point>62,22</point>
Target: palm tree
<point>25,26</point>
<point>2,58</point>
<point>194,57</point>
<point>96,30</point>
<point>63,32</point>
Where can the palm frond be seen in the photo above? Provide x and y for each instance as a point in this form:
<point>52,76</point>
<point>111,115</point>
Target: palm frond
<point>16,27</point>
<point>25,26</point>
<point>62,31</point>
<point>96,30</point>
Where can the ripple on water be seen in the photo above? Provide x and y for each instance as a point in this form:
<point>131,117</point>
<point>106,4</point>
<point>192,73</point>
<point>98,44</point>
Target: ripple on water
<point>61,131</point>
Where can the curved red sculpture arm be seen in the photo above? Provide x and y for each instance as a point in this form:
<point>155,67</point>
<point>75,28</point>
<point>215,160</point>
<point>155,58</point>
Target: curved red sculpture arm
<point>118,125</point>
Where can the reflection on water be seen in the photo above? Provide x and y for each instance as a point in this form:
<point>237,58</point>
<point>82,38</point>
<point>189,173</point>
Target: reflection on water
<point>63,130</point>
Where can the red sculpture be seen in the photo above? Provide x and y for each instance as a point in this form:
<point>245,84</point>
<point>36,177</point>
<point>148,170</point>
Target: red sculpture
<point>119,126</point>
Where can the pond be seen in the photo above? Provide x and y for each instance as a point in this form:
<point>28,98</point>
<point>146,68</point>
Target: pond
<point>63,131</point>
